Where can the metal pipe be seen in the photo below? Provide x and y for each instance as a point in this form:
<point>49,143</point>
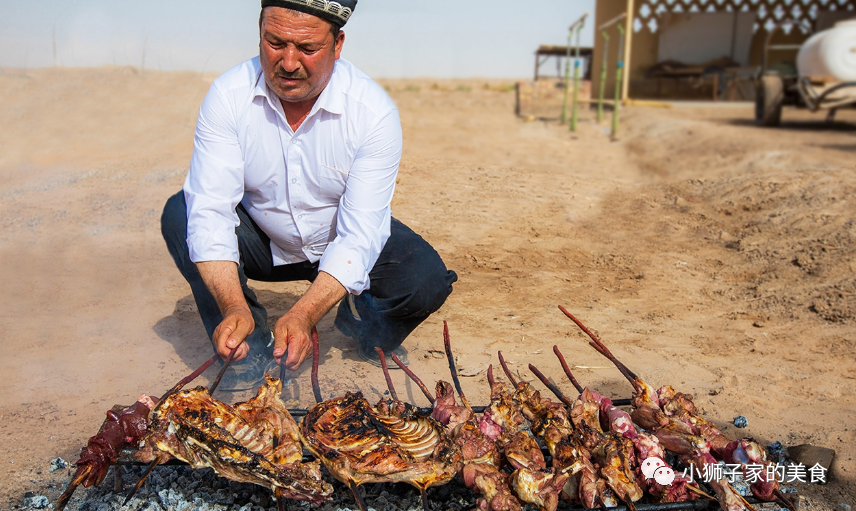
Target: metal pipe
<point>568,68</point>
<point>603,75</point>
<point>628,44</point>
<point>579,21</point>
<point>619,73</point>
<point>567,83</point>
<point>613,21</point>
<point>573,126</point>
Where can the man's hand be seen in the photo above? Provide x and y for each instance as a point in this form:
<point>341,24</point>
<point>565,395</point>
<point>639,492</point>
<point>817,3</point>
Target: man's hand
<point>292,331</point>
<point>231,333</point>
<point>221,278</point>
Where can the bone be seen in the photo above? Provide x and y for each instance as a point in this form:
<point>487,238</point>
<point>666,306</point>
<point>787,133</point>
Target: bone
<point>413,377</point>
<point>389,384</point>
<point>554,389</point>
<point>490,379</point>
<point>567,370</point>
<point>505,369</point>
<point>447,343</point>
<point>316,355</point>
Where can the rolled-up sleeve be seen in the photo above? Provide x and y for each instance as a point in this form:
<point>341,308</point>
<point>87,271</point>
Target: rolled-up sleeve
<point>215,183</point>
<point>363,218</point>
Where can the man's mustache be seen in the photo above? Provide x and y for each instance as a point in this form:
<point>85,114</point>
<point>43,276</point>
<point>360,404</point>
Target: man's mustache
<point>294,75</point>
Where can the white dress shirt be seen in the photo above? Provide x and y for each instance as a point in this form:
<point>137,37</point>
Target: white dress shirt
<point>321,192</point>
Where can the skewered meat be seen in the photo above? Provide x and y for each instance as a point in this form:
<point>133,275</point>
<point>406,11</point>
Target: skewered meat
<point>446,409</point>
<point>674,434</point>
<point>360,444</point>
<point>256,442</point>
<point>122,428</point>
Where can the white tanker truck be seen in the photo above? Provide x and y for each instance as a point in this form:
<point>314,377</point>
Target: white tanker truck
<point>825,76</point>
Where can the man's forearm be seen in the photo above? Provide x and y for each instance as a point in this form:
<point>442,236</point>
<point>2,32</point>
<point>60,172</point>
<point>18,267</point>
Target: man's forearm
<point>321,296</point>
<point>221,278</point>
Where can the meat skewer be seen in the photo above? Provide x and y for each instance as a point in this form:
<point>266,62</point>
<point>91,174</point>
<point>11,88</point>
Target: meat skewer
<point>480,453</point>
<point>447,345</point>
<point>413,377</point>
<point>316,355</point>
<point>386,374</point>
<point>122,428</point>
<point>645,445</point>
<point>422,493</point>
<point>612,452</point>
<point>675,435</point>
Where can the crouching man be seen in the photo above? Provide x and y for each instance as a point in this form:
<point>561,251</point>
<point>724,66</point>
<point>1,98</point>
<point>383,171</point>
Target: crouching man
<point>294,164</point>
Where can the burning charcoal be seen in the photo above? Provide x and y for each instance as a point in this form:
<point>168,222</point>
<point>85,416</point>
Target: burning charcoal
<point>58,464</point>
<point>741,421</point>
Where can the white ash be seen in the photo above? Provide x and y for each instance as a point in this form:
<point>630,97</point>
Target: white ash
<point>58,464</point>
<point>179,488</point>
<point>36,502</point>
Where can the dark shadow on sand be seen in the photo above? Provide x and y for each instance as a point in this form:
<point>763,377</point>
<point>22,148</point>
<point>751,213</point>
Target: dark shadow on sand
<point>813,126</point>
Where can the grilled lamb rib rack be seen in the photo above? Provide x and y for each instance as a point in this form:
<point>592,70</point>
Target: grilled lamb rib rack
<point>392,442</point>
<point>256,441</point>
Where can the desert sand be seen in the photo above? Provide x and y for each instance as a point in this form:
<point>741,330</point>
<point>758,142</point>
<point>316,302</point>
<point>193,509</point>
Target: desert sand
<point>707,253</point>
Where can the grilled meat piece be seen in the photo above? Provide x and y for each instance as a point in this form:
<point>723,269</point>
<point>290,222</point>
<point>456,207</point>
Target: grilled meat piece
<point>360,444</point>
<point>539,488</point>
<point>502,419</point>
<point>446,409</point>
<point>122,428</point>
<point>582,486</point>
<point>522,451</point>
<point>493,486</point>
<point>255,442</point>
<point>552,424</point>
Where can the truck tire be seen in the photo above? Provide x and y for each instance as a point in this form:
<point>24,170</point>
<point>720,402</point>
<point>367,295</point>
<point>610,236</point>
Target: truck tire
<point>768,100</point>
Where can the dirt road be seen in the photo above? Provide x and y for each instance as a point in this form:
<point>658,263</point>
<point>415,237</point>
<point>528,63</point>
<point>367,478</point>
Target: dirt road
<point>707,253</point>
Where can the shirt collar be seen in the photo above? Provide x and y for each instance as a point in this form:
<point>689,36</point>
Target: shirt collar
<point>331,98</point>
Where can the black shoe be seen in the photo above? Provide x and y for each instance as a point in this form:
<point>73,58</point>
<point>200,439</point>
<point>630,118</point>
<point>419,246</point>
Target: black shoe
<point>370,355</point>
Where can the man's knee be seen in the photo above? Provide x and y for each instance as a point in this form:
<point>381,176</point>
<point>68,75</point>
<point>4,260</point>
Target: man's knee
<point>431,285</point>
<point>174,223</point>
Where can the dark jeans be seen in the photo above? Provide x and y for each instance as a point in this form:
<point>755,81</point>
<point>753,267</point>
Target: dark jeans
<point>408,282</point>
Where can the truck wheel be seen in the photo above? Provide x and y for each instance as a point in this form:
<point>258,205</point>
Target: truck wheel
<point>769,97</point>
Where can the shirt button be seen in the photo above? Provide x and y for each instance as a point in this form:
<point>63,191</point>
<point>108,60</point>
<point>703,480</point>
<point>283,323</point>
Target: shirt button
<point>300,217</point>
<point>294,180</point>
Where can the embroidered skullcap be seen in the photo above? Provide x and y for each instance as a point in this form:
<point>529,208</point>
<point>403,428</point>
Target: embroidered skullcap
<point>336,12</point>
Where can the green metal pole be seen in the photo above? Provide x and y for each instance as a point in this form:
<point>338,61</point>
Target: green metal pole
<point>603,76</point>
<point>619,73</point>
<point>567,79</point>
<point>576,76</point>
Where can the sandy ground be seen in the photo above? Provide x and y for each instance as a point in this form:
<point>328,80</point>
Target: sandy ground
<point>707,253</point>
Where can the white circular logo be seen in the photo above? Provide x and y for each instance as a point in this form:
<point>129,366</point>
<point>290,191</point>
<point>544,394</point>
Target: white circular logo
<point>650,465</point>
<point>664,476</point>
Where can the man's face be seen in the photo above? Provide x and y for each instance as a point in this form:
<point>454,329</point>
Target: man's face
<point>297,53</point>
